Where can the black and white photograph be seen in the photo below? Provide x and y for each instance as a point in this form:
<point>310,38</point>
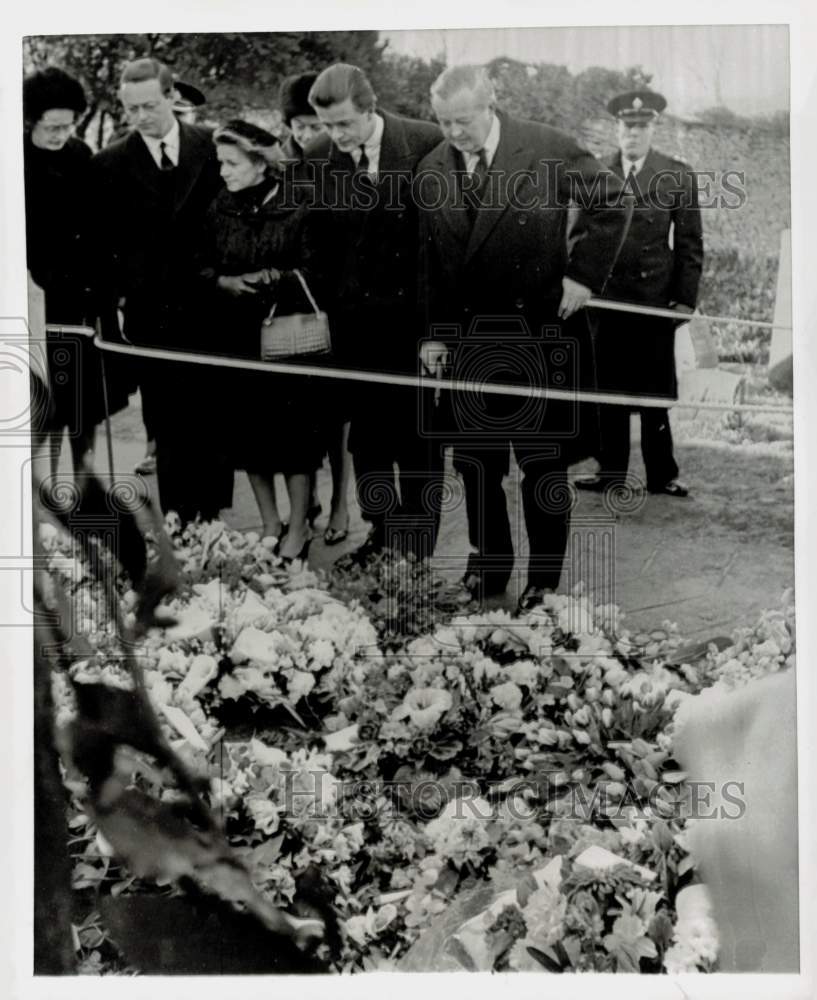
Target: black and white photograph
<point>399,449</point>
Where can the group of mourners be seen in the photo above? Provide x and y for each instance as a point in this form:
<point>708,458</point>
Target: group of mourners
<point>463,249</point>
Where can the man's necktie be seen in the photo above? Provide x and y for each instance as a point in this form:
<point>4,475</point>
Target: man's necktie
<point>363,163</point>
<point>476,184</point>
<point>165,162</point>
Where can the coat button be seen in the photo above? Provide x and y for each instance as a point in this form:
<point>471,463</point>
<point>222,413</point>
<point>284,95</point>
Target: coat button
<point>523,220</point>
<point>519,304</point>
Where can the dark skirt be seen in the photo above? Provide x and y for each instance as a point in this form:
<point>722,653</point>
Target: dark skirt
<point>271,421</point>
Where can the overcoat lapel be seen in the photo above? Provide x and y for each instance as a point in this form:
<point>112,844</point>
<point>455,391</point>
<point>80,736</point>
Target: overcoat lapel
<point>141,165</point>
<point>511,156</point>
<point>395,156</point>
<point>191,162</point>
<point>447,168</point>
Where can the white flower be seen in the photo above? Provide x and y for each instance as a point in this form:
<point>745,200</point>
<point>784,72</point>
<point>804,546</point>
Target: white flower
<point>695,937</point>
<point>299,684</point>
<point>522,672</point>
<point>423,647</point>
<point>357,929</point>
<point>264,813</point>
<point>544,915</point>
<point>680,960</point>
<point>321,654</point>
<point>485,667</point>
<point>424,673</point>
<point>459,832</point>
<point>364,927</point>
<point>266,756</point>
<point>424,707</point>
<point>507,695</point>
<point>201,671</point>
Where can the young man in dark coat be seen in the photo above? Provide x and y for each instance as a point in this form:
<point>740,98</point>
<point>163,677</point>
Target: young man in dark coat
<point>499,281</point>
<point>363,206</point>
<point>152,188</point>
<point>659,265</point>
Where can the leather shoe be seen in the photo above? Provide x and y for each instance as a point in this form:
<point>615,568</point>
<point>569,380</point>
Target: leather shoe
<point>673,488</point>
<point>469,588</point>
<point>594,484</point>
<point>532,597</point>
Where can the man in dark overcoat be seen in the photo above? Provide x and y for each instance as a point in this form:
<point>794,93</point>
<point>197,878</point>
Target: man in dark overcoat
<point>151,189</point>
<point>362,204</point>
<point>659,264</point>
<point>499,281</point>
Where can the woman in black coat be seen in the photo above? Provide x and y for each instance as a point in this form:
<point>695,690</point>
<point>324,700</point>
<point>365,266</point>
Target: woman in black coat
<point>57,202</point>
<point>254,238</point>
<point>305,126</point>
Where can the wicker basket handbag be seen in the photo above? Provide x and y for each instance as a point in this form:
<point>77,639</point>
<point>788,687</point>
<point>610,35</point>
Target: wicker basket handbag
<point>300,333</point>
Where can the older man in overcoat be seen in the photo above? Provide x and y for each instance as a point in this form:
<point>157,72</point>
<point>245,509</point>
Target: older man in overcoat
<point>500,279</point>
<point>660,265</point>
<point>151,190</point>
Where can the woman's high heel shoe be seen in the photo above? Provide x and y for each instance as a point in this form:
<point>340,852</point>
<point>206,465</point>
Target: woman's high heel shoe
<point>302,555</point>
<point>334,536</point>
<point>313,512</point>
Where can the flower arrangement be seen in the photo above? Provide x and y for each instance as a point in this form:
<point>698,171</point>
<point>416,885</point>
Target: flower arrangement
<point>492,793</point>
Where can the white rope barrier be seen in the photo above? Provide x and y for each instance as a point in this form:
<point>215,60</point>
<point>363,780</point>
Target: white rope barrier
<point>430,382</point>
<point>449,385</point>
<point>630,307</point>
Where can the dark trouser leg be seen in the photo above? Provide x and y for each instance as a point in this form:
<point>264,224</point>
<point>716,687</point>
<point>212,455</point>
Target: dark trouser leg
<point>486,505</point>
<point>546,502</point>
<point>614,434</point>
<point>656,447</point>
<point>377,494</point>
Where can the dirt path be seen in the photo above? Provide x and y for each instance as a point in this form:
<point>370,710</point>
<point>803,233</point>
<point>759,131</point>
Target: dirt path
<point>709,563</point>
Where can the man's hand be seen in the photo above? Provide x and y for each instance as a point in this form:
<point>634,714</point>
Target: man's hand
<point>574,296</point>
<point>234,284</point>
<point>434,356</point>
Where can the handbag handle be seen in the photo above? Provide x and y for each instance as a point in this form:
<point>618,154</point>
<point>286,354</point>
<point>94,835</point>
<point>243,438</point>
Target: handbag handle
<point>307,292</point>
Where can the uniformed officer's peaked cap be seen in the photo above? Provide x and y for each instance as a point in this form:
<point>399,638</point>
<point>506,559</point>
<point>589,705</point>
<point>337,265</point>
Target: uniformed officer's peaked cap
<point>637,105</point>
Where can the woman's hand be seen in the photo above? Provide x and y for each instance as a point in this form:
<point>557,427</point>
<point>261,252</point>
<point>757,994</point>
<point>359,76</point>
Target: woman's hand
<point>250,283</point>
<point>235,284</point>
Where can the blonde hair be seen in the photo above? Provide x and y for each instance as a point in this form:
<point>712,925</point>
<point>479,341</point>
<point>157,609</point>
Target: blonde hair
<point>474,79</point>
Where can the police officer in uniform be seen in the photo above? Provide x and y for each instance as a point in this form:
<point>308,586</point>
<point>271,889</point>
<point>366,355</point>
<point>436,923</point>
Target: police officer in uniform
<point>659,264</point>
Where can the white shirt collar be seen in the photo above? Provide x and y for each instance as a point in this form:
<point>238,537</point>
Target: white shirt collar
<point>489,146</point>
<point>372,147</point>
<point>626,164</point>
<point>171,141</point>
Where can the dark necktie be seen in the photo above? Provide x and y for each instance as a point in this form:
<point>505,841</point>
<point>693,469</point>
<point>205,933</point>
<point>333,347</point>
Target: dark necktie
<point>476,183</point>
<point>363,163</point>
<point>165,162</point>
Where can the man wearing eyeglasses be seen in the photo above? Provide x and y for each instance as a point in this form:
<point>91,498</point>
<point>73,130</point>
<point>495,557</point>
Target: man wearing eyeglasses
<point>152,189</point>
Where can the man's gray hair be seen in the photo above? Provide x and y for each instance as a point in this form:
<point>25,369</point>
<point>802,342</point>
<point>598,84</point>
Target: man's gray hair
<point>474,79</point>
